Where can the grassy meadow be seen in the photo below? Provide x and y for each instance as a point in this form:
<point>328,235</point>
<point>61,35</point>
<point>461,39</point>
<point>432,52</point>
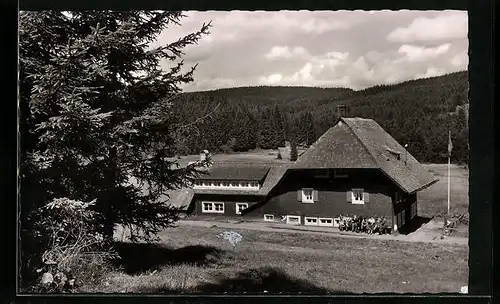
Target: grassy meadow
<point>433,200</point>
<point>194,260</point>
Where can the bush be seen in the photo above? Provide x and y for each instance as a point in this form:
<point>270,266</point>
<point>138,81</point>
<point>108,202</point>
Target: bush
<point>73,253</point>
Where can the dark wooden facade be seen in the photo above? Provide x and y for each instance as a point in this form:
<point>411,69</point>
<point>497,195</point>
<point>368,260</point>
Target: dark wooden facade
<point>383,199</point>
<point>229,201</point>
<point>332,197</point>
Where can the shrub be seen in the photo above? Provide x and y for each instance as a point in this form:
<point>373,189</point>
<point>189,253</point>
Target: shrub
<point>73,253</point>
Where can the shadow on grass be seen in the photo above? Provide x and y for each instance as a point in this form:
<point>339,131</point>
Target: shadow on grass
<point>416,223</point>
<point>140,257</point>
<point>254,281</point>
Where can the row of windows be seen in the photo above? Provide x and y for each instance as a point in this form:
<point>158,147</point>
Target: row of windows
<point>309,221</point>
<point>218,207</point>
<point>355,196</point>
<point>215,183</point>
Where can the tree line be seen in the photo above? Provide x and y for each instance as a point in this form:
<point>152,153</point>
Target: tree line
<point>418,113</point>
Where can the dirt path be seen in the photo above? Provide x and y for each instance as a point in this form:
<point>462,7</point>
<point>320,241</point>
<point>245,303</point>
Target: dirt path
<point>428,233</point>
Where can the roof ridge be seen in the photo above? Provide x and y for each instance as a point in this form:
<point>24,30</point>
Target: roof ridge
<point>363,144</point>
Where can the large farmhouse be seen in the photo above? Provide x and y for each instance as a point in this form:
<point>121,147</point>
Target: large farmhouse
<point>355,168</point>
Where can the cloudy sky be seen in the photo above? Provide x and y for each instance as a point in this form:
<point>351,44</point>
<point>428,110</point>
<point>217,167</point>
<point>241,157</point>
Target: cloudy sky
<point>354,49</point>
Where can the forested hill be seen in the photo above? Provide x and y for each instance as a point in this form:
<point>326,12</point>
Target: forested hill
<point>418,112</point>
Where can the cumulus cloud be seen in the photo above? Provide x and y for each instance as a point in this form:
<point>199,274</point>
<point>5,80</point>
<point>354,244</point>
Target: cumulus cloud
<point>443,27</point>
<point>353,49</point>
<point>419,53</point>
<point>285,52</point>
<point>343,70</point>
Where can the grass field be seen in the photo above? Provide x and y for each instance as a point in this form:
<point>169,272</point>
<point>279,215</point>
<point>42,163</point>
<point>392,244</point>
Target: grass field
<point>195,260</point>
<point>433,200</point>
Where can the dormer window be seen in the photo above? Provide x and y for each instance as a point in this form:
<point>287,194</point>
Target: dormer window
<point>229,184</point>
<point>394,153</point>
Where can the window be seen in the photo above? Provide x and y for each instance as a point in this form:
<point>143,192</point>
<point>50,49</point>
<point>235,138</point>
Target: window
<point>307,196</point>
<point>212,207</point>
<point>397,197</point>
<point>293,219</point>
<point>208,207</point>
<point>219,207</point>
<point>394,153</point>
<point>240,207</point>
<point>226,184</point>
<point>336,222</point>
<point>268,217</point>
<point>311,221</point>
<point>357,196</point>
<point>403,217</point>
<point>327,222</point>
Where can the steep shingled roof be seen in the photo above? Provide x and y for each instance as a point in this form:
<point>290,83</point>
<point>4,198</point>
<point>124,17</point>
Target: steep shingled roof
<point>363,143</point>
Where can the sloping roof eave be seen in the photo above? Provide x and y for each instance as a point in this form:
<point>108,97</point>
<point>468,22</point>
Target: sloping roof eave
<point>427,185</point>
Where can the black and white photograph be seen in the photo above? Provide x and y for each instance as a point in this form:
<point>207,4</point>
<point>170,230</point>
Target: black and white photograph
<point>244,152</point>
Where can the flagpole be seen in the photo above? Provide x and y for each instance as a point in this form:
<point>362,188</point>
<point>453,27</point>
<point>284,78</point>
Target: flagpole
<point>449,163</point>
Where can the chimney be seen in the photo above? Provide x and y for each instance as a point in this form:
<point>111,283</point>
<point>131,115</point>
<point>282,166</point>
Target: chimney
<point>342,110</point>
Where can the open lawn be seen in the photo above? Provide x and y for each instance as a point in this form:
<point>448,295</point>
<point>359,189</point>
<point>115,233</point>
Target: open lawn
<point>433,200</point>
<point>194,259</point>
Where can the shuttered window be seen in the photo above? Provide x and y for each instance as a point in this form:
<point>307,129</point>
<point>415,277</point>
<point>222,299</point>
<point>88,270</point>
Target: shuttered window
<point>307,195</point>
<point>357,196</point>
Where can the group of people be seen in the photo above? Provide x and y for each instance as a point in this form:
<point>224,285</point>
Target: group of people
<point>369,225</point>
